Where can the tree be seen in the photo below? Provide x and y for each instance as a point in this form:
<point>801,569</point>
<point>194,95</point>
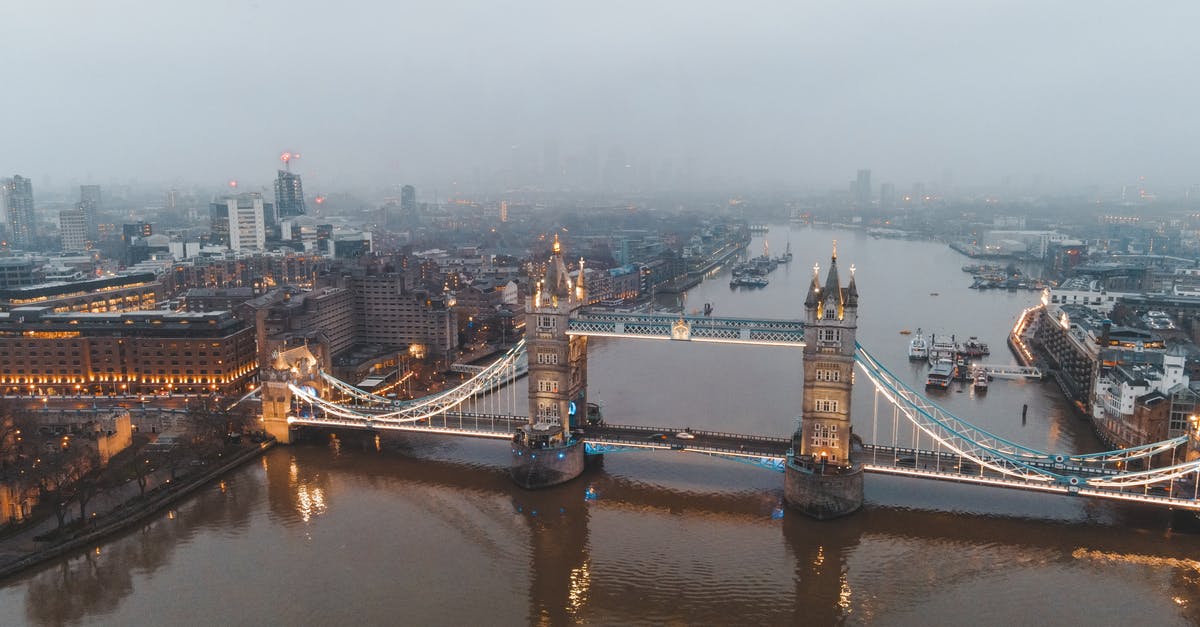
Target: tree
<point>61,476</point>
<point>137,466</point>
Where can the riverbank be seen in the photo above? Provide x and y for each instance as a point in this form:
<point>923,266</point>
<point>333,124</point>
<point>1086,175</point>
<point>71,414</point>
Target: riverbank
<point>129,514</point>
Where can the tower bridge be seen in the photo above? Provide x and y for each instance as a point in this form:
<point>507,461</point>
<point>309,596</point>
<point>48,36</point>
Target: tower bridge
<point>824,460</point>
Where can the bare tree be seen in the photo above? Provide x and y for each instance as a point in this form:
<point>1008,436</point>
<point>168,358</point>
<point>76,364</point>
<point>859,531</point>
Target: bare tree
<point>60,477</point>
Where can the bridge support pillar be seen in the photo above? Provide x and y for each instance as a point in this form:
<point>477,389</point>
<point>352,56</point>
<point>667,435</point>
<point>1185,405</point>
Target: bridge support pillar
<point>533,467</point>
<point>276,403</point>
<point>823,496</point>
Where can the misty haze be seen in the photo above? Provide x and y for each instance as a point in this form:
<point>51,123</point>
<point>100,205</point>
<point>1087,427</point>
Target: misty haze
<point>616,313</point>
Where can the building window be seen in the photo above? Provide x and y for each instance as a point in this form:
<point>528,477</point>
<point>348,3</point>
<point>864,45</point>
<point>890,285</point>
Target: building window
<point>829,335</point>
<point>547,385</point>
<point>826,405</point>
<point>547,323</point>
<point>547,358</point>
<point>825,436</point>
<point>825,374</point>
<point>548,411</point>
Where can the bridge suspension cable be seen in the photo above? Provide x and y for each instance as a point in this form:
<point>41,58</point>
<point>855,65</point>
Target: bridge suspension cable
<point>880,375</point>
<point>492,377</point>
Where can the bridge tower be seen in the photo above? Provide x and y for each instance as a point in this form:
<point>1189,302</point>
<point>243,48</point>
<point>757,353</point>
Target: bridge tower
<point>276,403</point>
<point>287,366</point>
<point>544,451</point>
<point>821,478</point>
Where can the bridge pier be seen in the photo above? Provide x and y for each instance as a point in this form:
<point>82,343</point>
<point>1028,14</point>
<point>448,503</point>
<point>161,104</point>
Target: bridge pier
<point>535,467</point>
<point>823,495</point>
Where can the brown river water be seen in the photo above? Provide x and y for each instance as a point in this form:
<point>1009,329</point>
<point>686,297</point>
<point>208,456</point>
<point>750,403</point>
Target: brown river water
<point>347,529</point>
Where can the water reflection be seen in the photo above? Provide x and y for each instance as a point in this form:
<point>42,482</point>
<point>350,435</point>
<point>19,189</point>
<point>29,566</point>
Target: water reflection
<point>635,551</point>
<point>95,582</point>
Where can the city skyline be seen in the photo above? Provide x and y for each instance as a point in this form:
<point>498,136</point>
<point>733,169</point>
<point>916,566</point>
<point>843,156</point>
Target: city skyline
<point>784,95</point>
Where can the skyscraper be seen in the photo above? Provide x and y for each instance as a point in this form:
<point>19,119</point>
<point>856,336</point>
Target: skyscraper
<point>89,201</point>
<point>887,196</point>
<point>862,188</point>
<point>237,222</point>
<point>289,195</point>
<point>18,205</point>
<point>408,200</point>
<point>73,228</point>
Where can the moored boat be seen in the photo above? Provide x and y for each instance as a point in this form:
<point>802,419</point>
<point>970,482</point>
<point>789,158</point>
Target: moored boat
<point>980,380</point>
<point>941,375</point>
<point>941,349</point>
<point>918,348</point>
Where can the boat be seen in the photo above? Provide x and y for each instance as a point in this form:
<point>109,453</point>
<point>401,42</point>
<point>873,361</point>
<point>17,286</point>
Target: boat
<point>748,281</point>
<point>933,293</point>
<point>941,375</point>
<point>974,348</point>
<point>941,349</point>
<point>981,380</point>
<point>786,257</point>
<point>918,348</point>
<point>906,332</point>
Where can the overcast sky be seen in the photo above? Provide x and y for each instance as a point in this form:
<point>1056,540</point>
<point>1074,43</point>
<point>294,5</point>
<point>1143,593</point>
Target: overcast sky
<point>799,92</point>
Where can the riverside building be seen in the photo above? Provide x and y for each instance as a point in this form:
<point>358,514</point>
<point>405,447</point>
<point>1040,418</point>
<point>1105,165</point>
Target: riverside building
<point>146,352</point>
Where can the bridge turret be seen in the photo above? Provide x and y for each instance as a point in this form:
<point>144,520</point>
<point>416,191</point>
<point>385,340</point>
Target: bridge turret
<point>822,479</point>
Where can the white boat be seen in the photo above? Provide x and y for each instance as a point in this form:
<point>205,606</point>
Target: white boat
<point>941,349</point>
<point>981,380</point>
<point>918,348</point>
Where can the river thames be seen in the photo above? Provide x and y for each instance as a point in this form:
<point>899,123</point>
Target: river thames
<point>421,530</point>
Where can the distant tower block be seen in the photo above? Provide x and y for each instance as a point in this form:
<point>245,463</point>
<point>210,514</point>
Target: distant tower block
<point>544,451</point>
<point>821,478</point>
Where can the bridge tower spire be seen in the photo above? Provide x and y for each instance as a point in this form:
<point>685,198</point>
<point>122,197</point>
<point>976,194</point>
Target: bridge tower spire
<point>545,452</point>
<point>822,479</point>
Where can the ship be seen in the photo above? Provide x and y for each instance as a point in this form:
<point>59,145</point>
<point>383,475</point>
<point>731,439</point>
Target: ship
<point>786,257</point>
<point>974,348</point>
<point>918,348</point>
<point>942,374</point>
<point>941,349</point>
<point>981,380</point>
<point>748,281</point>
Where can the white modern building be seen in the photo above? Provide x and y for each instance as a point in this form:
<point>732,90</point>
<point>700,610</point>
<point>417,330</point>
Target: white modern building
<point>239,222</point>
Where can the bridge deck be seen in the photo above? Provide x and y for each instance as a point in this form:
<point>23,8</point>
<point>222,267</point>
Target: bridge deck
<point>772,451</point>
<point>688,328</point>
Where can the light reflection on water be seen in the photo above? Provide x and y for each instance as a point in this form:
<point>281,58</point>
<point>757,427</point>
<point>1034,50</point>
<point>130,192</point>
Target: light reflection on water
<point>421,530</point>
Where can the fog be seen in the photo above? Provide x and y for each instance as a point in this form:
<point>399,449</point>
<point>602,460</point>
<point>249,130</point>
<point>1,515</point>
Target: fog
<point>480,94</point>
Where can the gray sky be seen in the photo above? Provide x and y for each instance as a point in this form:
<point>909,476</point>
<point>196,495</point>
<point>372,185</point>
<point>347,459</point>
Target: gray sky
<point>801,92</point>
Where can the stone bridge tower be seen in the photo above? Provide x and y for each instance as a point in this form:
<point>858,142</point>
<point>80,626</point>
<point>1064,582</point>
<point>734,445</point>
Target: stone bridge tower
<point>822,479</point>
<point>544,451</point>
<point>287,366</point>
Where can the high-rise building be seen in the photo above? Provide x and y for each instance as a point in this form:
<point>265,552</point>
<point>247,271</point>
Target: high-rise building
<point>862,188</point>
<point>73,228</point>
<point>138,229</point>
<point>408,200</point>
<point>887,196</point>
<point>504,211</point>
<point>289,195</point>
<point>89,201</point>
<point>238,222</point>
<point>18,206</point>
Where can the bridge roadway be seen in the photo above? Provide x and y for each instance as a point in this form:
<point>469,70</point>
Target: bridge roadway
<point>771,452</point>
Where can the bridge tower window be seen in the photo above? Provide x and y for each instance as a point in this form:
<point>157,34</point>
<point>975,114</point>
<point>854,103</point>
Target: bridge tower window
<point>826,405</point>
<point>829,335</point>
<point>824,435</point>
